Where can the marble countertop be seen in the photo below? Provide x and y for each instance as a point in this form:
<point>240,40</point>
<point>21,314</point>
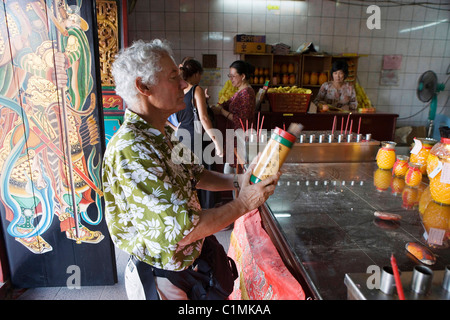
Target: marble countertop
<point>325,212</point>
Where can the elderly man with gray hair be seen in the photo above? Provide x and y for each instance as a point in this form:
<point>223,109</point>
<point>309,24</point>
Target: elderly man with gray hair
<point>152,210</point>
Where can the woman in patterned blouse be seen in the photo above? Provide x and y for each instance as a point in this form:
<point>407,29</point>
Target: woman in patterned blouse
<point>338,93</point>
<point>240,109</point>
<point>152,209</point>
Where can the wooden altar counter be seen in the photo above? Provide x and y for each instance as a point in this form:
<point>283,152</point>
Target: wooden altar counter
<point>321,221</point>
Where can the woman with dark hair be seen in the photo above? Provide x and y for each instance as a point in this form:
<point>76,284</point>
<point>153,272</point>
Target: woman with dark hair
<point>337,93</point>
<point>195,100</point>
<point>241,107</point>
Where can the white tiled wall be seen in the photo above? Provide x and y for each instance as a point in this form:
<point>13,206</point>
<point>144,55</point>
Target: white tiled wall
<point>197,27</point>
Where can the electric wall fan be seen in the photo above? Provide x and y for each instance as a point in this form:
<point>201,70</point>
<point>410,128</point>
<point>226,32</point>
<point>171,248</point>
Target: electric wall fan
<point>427,89</point>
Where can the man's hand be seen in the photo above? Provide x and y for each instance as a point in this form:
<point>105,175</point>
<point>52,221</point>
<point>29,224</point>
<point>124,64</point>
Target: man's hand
<point>251,196</point>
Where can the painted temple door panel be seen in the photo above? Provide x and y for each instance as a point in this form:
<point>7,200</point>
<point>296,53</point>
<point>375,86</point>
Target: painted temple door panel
<point>51,145</point>
<point>112,31</point>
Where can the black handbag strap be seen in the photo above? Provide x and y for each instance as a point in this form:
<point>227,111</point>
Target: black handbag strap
<point>194,109</point>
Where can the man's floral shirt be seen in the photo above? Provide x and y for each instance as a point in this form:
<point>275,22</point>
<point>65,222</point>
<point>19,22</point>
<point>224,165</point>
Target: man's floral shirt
<point>150,201</point>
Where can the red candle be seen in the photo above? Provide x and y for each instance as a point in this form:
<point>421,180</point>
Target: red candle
<point>342,124</point>
<point>359,124</point>
<point>346,124</point>
<point>334,123</point>
<point>257,126</point>
<point>262,121</point>
<point>398,282</point>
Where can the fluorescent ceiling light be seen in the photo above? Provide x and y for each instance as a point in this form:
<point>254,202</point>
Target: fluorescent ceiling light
<point>423,26</point>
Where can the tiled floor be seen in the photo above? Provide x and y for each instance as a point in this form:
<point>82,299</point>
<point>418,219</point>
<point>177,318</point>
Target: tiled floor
<point>115,292</point>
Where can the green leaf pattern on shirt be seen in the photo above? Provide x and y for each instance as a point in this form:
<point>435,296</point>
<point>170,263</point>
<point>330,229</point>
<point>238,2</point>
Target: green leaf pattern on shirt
<point>150,203</point>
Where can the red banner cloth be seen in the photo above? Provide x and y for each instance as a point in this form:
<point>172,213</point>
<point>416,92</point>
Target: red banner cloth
<point>262,273</point>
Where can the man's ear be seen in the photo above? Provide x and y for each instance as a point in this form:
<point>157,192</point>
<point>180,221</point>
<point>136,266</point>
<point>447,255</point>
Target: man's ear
<point>142,88</point>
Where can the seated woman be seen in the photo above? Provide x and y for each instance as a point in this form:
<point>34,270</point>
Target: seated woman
<point>337,93</point>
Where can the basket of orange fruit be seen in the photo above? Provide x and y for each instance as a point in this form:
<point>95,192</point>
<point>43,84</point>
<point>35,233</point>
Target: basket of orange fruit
<point>289,99</point>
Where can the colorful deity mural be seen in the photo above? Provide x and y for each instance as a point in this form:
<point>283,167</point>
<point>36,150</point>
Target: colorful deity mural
<point>50,137</point>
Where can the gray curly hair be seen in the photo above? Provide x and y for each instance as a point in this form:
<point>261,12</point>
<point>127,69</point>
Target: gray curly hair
<point>140,60</point>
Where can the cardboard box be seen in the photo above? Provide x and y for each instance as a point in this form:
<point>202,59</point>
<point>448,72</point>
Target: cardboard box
<point>244,43</point>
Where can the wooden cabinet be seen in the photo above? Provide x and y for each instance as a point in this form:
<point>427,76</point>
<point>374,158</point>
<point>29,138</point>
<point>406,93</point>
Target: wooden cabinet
<point>352,62</point>
<point>304,71</point>
<point>286,70</point>
<point>280,70</point>
<point>263,63</point>
<point>300,70</point>
<point>317,67</point>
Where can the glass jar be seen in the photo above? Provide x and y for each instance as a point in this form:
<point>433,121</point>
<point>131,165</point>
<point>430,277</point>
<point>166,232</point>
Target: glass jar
<point>420,152</point>
<point>438,165</point>
<point>424,200</point>
<point>437,216</point>
<point>400,166</point>
<point>413,176</point>
<point>386,155</point>
<point>410,198</point>
<point>397,185</point>
<point>382,179</point>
